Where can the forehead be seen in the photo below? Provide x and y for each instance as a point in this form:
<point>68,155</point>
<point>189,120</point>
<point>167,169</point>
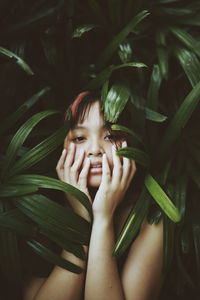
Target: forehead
<point>93,116</point>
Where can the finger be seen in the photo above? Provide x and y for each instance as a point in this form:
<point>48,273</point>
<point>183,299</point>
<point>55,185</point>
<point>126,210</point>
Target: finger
<point>74,171</point>
<point>61,160</point>
<point>84,173</point>
<point>117,167</point>
<point>106,174</point>
<point>133,170</point>
<point>69,161</point>
<point>126,166</point>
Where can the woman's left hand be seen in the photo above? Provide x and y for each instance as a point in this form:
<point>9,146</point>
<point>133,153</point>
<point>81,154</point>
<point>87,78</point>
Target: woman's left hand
<point>113,184</point>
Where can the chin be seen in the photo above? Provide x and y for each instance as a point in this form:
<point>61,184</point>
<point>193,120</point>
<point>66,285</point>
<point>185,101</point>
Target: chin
<point>94,181</point>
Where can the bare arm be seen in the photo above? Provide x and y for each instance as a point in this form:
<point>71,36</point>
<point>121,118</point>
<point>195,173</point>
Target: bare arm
<point>102,277</point>
<point>60,285</point>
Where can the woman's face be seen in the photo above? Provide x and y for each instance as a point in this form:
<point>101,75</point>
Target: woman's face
<point>92,136</point>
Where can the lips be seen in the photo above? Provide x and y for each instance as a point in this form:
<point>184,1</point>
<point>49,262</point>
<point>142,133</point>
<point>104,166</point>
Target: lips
<point>96,168</point>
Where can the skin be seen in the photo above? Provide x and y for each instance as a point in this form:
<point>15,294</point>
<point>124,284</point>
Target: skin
<point>141,275</point>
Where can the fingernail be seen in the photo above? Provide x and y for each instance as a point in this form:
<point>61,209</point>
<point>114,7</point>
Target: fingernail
<point>64,150</point>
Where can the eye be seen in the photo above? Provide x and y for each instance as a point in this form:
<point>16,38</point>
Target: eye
<point>78,139</point>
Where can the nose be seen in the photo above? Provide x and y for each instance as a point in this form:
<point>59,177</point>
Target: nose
<point>95,148</point>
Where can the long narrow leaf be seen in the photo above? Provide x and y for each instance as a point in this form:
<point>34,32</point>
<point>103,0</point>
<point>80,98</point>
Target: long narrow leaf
<point>115,101</point>
<point>52,257</point>
<point>39,152</point>
<point>21,135</point>
<point>118,39</point>
<point>51,183</point>
<point>13,57</point>
<point>179,120</point>
<point>133,153</point>
<point>132,225</point>
<point>162,199</point>
<point>14,117</point>
<point>189,63</point>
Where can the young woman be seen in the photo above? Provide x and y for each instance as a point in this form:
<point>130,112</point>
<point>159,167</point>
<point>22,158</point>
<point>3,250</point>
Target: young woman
<point>90,163</point>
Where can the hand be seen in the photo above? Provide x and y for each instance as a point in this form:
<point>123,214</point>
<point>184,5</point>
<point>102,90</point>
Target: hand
<point>113,186</point>
<point>69,171</point>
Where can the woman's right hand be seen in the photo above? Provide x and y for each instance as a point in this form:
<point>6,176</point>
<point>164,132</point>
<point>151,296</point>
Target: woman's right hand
<point>69,171</point>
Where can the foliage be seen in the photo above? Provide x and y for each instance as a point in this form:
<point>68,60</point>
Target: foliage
<point>141,54</point>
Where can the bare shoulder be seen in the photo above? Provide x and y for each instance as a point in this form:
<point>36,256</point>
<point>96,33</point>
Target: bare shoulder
<point>32,286</point>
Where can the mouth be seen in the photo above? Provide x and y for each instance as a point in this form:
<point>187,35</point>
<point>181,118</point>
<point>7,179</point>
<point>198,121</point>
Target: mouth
<point>96,169</point>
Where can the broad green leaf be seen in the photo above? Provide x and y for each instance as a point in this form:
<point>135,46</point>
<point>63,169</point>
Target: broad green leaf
<point>106,73</point>
<point>39,152</point>
<point>188,40</point>
<point>133,153</point>
<point>127,130</point>
<point>179,121</point>
<point>189,63</point>
<point>15,58</point>
<point>51,183</point>
<point>154,115</point>
<point>132,224</point>
<point>115,101</point>
<point>119,38</point>
<point>11,190</point>
<point>79,31</point>
<point>14,117</point>
<point>53,258</point>
<point>154,86</point>
<point>52,217</point>
<point>21,135</point>
<point>162,199</point>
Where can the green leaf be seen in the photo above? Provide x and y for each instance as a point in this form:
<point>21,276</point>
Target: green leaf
<point>115,101</point>
<point>189,63</point>
<point>154,116</point>
<point>106,73</point>
<point>127,130</point>
<point>53,258</point>
<point>51,183</point>
<point>162,199</point>
<point>79,31</point>
<point>119,38</point>
<point>54,218</point>
<point>154,86</point>
<point>188,40</point>
<point>39,152</point>
<point>132,224</point>
<point>17,226</point>
<point>179,121</point>
<point>14,117</point>
<point>21,135</point>
<point>133,153</point>
<point>168,244</point>
<point>9,190</point>
<point>13,57</point>
<point>163,61</point>
<point>180,194</point>
<point>125,52</point>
